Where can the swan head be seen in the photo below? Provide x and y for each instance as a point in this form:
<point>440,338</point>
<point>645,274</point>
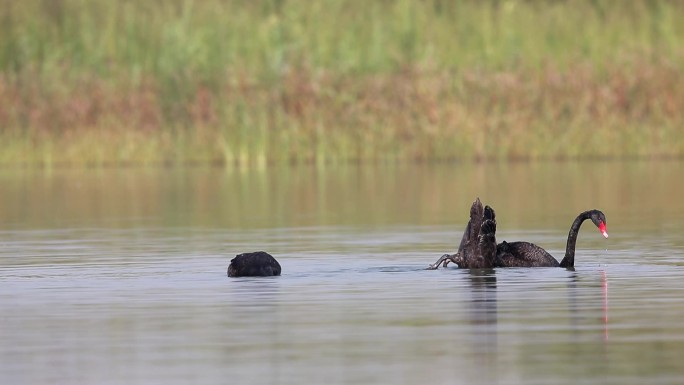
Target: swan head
<point>599,219</point>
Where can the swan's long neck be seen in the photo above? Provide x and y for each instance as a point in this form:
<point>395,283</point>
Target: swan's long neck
<point>569,259</point>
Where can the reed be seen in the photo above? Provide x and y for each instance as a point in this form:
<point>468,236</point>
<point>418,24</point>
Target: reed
<point>255,83</point>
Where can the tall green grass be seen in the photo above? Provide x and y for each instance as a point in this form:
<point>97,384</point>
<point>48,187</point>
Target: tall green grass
<point>100,82</point>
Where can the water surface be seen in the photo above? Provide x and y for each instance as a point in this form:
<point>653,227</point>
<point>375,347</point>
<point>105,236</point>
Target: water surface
<point>118,276</point>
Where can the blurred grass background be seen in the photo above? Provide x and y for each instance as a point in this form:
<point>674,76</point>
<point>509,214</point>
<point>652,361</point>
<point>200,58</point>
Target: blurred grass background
<point>253,83</point>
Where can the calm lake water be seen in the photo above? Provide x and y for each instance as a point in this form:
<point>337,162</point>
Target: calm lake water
<point>119,276</point>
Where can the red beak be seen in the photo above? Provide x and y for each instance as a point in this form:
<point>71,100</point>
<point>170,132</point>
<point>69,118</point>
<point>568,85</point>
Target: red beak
<point>602,229</point>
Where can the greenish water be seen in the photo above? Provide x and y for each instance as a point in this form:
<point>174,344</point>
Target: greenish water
<point>118,276</point>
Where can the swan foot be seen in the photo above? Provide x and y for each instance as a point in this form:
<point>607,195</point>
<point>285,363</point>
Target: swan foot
<point>443,260</point>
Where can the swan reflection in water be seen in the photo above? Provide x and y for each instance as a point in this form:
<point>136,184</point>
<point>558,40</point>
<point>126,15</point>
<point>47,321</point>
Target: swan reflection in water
<point>579,304</point>
<point>483,296</point>
<point>582,330</point>
<point>483,319</point>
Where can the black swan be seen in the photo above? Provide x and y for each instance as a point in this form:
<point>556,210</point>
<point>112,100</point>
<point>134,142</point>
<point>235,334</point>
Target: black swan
<point>477,249</point>
<point>256,264</point>
<point>525,254</point>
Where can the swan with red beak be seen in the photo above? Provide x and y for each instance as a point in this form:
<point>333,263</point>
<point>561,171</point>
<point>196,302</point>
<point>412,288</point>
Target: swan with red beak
<point>512,254</point>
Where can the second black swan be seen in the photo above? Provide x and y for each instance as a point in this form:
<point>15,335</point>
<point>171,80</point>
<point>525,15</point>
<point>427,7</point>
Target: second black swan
<point>256,264</point>
<point>526,254</point>
<point>477,249</point>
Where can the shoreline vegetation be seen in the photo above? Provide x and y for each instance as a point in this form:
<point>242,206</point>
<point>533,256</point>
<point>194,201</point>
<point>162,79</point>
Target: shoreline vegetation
<point>251,84</point>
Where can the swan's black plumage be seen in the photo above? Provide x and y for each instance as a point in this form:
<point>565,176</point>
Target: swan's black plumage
<point>525,254</point>
<point>256,264</point>
<point>487,239</point>
<point>478,248</point>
